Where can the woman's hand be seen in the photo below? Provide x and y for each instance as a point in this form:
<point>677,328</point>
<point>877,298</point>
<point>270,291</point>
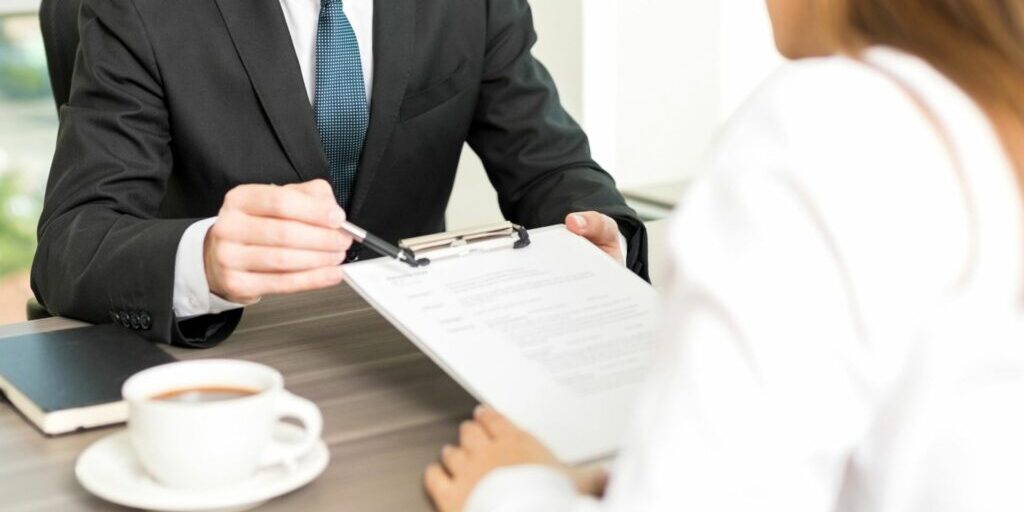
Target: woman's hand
<point>488,442</point>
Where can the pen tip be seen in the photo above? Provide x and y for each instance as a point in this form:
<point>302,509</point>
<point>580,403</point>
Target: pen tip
<point>422,262</point>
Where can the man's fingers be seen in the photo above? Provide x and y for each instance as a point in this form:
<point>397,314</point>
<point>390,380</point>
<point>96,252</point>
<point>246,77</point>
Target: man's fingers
<point>290,203</point>
<point>594,226</point>
<point>315,188</point>
<point>600,229</point>
<point>255,258</point>
<point>252,285</point>
<point>282,284</point>
<point>271,240</point>
<point>245,229</point>
<point>576,223</point>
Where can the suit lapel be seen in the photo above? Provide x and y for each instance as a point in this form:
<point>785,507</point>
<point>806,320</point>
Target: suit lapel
<point>261,38</point>
<point>394,24</point>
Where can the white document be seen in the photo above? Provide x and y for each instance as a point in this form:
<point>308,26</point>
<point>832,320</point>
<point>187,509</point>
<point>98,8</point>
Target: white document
<point>556,335</point>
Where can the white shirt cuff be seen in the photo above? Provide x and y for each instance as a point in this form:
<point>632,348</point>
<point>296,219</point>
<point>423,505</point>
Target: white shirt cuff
<point>623,248</point>
<point>531,488</point>
<point>192,296</point>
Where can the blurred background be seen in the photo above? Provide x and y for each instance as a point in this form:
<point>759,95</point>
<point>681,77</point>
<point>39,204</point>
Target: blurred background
<point>650,80</point>
<point>28,129</point>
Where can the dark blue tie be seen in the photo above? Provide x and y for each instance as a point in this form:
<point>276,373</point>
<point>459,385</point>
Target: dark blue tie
<point>340,105</point>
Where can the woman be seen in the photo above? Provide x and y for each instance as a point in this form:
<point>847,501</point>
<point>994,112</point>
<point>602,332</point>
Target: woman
<point>847,293</point>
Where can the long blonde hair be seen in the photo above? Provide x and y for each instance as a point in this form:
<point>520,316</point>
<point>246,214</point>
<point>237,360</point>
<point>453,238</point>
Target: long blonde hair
<point>979,44</point>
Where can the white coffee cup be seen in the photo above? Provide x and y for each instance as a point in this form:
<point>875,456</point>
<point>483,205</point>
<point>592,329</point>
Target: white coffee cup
<point>212,444</point>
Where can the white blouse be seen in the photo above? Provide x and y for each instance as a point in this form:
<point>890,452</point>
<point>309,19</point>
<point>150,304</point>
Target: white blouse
<point>845,316</point>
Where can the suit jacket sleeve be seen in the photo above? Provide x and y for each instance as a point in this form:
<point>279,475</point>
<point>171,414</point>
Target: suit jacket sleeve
<point>536,155</point>
<point>104,253</point>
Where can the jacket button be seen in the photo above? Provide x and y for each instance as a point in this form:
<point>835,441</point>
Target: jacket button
<point>119,318</point>
<point>133,320</point>
<point>113,316</point>
<point>145,322</point>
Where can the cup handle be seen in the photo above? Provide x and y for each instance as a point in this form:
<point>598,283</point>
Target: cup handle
<point>291,406</point>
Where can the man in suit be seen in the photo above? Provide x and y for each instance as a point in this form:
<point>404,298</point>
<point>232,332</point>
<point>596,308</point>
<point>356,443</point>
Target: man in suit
<point>210,149</point>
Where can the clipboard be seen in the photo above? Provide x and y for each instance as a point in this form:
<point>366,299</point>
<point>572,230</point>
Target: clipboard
<point>557,336</point>
<point>463,242</point>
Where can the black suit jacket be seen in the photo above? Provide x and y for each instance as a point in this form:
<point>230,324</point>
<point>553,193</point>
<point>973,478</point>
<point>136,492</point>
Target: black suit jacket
<point>173,103</point>
<point>58,20</point>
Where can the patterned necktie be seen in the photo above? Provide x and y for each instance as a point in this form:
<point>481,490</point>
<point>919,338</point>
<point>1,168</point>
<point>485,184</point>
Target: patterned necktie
<point>340,106</point>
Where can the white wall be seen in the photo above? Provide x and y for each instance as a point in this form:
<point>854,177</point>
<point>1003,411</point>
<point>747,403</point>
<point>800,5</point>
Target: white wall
<point>650,80</point>
<point>559,26</point>
<point>748,50</point>
<point>666,91</point>
<point>678,69</point>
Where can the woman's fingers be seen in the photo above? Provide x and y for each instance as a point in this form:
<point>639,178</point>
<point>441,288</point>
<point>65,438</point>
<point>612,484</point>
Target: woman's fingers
<point>439,487</point>
<point>472,435</point>
<point>453,458</point>
<point>493,422</point>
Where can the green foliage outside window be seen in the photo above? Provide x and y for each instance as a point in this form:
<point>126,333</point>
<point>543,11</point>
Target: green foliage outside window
<point>22,63</point>
<point>18,213</point>
<point>26,132</point>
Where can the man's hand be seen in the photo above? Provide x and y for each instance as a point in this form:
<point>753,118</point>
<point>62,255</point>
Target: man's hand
<point>271,240</point>
<point>600,230</point>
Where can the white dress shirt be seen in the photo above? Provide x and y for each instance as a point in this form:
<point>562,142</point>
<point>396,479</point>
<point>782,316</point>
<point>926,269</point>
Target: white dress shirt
<point>845,328</point>
<point>192,295</point>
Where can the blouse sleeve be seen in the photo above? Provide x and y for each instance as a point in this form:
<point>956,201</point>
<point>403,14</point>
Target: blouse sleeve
<point>528,489</point>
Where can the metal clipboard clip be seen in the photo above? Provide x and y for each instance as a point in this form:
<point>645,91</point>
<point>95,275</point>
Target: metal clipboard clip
<point>459,243</point>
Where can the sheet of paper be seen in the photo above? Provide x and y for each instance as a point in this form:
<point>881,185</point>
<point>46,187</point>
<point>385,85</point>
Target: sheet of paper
<point>556,335</point>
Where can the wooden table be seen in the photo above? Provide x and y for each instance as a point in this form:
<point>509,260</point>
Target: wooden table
<point>387,408</point>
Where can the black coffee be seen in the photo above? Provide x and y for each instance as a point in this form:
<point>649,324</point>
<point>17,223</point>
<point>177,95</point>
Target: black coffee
<point>204,394</point>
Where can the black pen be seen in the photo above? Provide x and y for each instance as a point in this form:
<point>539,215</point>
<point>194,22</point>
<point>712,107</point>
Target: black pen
<point>382,247</point>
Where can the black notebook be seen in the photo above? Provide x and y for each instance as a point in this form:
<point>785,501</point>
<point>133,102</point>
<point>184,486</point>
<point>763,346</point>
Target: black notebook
<point>71,379</point>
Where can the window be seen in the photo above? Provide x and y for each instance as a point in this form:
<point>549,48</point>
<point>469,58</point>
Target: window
<point>28,127</point>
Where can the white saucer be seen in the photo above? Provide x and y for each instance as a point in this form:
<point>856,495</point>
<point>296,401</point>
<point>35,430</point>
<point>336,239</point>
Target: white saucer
<point>110,470</point>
